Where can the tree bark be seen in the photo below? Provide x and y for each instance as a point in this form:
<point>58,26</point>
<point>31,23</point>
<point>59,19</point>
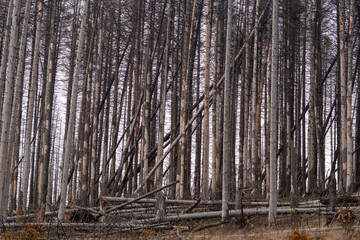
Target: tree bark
<point>205,169</point>
<point>273,115</point>
<point>72,117</point>
<point>6,112</point>
<point>45,137</point>
<point>5,53</point>
<point>18,87</point>
<point>343,139</point>
<point>227,117</point>
<point>349,138</point>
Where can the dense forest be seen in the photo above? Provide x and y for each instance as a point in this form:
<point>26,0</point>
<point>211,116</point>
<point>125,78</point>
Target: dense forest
<point>200,99</point>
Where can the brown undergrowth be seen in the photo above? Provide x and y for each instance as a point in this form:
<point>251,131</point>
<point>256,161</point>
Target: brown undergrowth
<point>293,227</point>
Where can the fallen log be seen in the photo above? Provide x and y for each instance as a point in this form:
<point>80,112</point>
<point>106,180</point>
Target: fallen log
<point>211,203</point>
<point>139,198</point>
<point>235,213</point>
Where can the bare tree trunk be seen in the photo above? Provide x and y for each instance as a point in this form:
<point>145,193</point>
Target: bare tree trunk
<point>349,139</point>
<point>5,53</point>
<point>247,97</point>
<point>198,147</point>
<point>256,164</point>
<point>147,83</point>
<point>95,119</point>
<point>48,108</point>
<point>30,112</point>
<point>71,126</point>
<point>213,188</point>
<point>273,117</point>
<point>312,150</point>
<point>180,175</point>
<point>227,118</point>
<point>357,138</point>
<point>303,157</point>
<point>205,169</point>
<point>19,86</point>
<point>343,140</point>
<point>219,100</point>
<point>6,112</point>
<point>160,211</point>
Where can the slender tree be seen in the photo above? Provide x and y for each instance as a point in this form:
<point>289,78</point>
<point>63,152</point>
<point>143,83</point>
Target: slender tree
<point>7,110</point>
<point>273,113</point>
<point>227,101</point>
<point>71,126</point>
<point>205,169</point>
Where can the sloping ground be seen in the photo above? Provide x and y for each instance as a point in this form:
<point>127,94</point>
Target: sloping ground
<point>189,219</point>
<point>289,227</point>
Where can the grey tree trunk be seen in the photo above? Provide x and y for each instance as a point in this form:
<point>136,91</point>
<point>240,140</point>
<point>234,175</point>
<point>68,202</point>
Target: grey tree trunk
<point>273,113</point>
<point>47,117</point>
<point>19,79</point>
<point>95,119</point>
<point>180,174</point>
<point>7,111</point>
<point>205,169</point>
<point>147,105</point>
<point>349,139</point>
<point>72,117</point>
<point>160,211</point>
<point>5,53</point>
<point>312,150</point>
<point>256,164</point>
<point>343,139</point>
<point>227,118</point>
<point>247,97</point>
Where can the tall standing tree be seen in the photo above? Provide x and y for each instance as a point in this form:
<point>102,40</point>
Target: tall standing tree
<point>46,124</point>
<point>4,54</point>
<point>227,118</point>
<point>342,125</point>
<point>18,83</point>
<point>205,173</point>
<point>273,112</point>
<point>256,163</point>
<point>349,138</point>
<point>72,117</point>
<point>7,110</point>
<point>159,172</point>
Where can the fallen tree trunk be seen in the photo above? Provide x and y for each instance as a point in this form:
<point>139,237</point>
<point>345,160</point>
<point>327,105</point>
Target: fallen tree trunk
<point>235,213</point>
<point>211,203</point>
<point>139,198</point>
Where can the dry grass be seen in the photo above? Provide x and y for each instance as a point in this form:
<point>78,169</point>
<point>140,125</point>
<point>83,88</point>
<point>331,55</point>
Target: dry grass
<point>296,227</point>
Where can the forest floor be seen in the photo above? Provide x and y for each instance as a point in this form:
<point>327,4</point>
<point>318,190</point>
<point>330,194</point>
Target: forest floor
<point>293,227</point>
<point>290,225</point>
